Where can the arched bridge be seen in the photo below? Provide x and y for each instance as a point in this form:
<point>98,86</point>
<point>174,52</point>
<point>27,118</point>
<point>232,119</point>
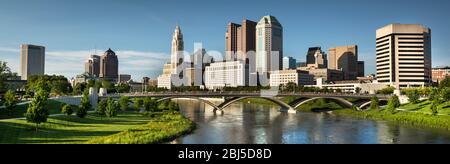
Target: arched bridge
<point>232,97</point>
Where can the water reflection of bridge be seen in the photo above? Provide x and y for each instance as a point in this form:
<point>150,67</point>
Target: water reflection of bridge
<point>233,97</point>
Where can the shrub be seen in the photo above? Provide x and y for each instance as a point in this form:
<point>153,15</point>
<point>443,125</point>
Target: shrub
<point>413,96</point>
<point>67,109</point>
<point>101,107</point>
<point>111,108</point>
<point>374,103</point>
<point>85,105</point>
<point>123,102</point>
<point>138,103</point>
<point>393,104</point>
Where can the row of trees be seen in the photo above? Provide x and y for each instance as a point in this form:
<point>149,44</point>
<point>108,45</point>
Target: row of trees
<point>393,104</point>
<point>79,88</point>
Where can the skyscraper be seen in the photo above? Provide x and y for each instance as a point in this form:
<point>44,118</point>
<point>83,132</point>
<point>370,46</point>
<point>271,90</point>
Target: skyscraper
<point>92,66</point>
<point>109,66</point>
<point>32,60</point>
<point>316,58</point>
<point>240,39</point>
<point>289,63</point>
<point>404,55</point>
<point>344,58</point>
<point>176,57</point>
<point>176,60</point>
<point>361,69</point>
<point>269,44</point>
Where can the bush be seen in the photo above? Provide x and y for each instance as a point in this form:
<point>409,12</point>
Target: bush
<point>10,101</point>
<point>101,107</point>
<point>111,108</point>
<point>393,104</point>
<point>374,103</point>
<point>67,109</point>
<point>150,105</point>
<point>413,97</point>
<point>85,105</point>
<point>386,91</point>
<point>138,103</point>
<point>123,102</point>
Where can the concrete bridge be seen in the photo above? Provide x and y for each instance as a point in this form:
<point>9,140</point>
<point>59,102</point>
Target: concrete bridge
<point>232,97</point>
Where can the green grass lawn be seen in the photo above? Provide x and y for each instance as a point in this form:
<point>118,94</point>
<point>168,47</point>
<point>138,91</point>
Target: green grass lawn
<point>52,105</point>
<point>68,129</point>
<point>424,107</point>
<point>163,128</point>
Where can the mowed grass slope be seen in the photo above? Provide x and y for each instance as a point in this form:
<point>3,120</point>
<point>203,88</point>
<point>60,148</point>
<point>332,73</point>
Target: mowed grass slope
<point>52,106</point>
<point>68,129</point>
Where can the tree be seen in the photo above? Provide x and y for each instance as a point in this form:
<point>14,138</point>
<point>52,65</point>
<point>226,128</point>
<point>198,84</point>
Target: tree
<point>150,105</point>
<point>67,109</point>
<point>173,106</point>
<point>433,107</point>
<point>123,102</point>
<point>445,83</point>
<point>36,112</point>
<point>445,94</point>
<point>5,73</point>
<point>123,88</point>
<point>10,101</point>
<point>374,103</point>
<point>101,107</point>
<point>111,108</point>
<point>85,105</point>
<point>393,104</point>
<point>434,94</point>
<point>138,104</point>
<point>413,96</point>
<point>386,91</point>
<point>79,88</point>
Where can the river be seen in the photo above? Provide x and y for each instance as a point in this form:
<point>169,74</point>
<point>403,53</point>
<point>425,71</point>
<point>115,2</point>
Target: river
<point>244,123</point>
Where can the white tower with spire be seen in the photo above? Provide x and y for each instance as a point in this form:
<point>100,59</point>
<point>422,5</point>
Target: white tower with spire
<point>176,57</point>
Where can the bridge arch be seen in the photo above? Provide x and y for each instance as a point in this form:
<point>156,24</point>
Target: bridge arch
<point>341,100</point>
<point>282,104</point>
<point>191,97</point>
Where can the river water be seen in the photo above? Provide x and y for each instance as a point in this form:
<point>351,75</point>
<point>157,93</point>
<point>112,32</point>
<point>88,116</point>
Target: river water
<point>244,123</point>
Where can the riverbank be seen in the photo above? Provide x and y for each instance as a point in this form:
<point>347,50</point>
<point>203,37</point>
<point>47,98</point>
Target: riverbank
<point>163,128</point>
<point>74,130</point>
<point>409,118</point>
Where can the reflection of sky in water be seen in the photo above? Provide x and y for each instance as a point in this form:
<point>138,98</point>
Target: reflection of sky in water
<point>253,123</point>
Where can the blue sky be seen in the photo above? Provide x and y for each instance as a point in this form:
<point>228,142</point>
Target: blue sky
<point>140,30</point>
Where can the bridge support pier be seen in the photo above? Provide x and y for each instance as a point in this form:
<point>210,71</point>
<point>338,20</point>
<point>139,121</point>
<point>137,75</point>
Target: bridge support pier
<point>292,111</point>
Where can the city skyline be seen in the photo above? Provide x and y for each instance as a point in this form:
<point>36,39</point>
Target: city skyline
<point>144,47</point>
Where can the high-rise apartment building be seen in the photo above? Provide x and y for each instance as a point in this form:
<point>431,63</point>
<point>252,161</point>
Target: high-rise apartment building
<point>92,66</point>
<point>344,58</point>
<point>32,60</point>
<point>269,45</point>
<point>404,55</point>
<point>109,66</point>
<point>240,39</point>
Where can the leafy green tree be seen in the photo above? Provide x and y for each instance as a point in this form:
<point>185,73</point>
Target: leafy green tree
<point>123,88</point>
<point>10,101</point>
<point>36,112</point>
<point>67,109</point>
<point>101,107</point>
<point>386,91</point>
<point>393,104</point>
<point>150,105</point>
<point>138,103</point>
<point>434,94</point>
<point>85,105</point>
<point>111,108</point>
<point>374,103</point>
<point>123,102</point>
<point>90,83</point>
<point>445,83</point>
<point>445,94</point>
<point>433,107</point>
<point>5,73</point>
<point>173,106</point>
<point>413,96</point>
<point>79,88</point>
